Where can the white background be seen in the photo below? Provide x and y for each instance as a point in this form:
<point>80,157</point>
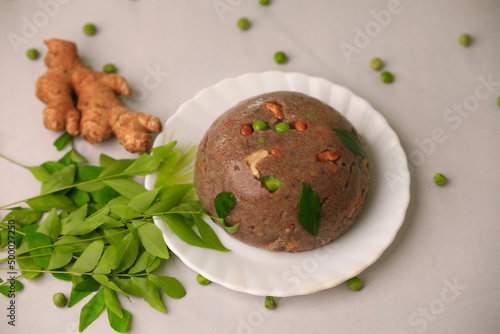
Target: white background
<point>450,234</point>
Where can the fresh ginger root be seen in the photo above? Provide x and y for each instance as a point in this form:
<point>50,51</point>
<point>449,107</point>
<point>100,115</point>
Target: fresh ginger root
<point>98,113</point>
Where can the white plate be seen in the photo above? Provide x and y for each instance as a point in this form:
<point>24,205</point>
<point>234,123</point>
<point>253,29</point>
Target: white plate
<point>261,272</point>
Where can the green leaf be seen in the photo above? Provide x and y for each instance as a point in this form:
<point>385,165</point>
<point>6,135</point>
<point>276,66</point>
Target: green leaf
<point>50,226</point>
<point>113,235</point>
<point>153,265</point>
<point>77,295</point>
<point>224,203</point>
<point>152,240</point>
<point>110,258</point>
<point>36,240</point>
<point>128,286</point>
<point>130,253</point>
<point>88,173</point>
<point>169,197</point>
<point>147,164</point>
<point>53,166</point>
<point>119,324</point>
<point>116,167</point>
<point>60,179</point>
<point>91,310</point>
<point>27,263</point>
<point>230,229</point>
<point>78,214</point>
<point>47,202</point>
<point>103,195</point>
<point>125,187</point>
<point>79,227</point>
<point>104,280</point>
<point>62,276</point>
<point>86,284</point>
<point>23,216</point>
<point>149,292</point>
<point>351,141</point>
<point>61,256</point>
<point>189,207</point>
<point>309,210</point>
<point>40,173</point>
<point>123,211</point>
<point>208,235</point>
<point>90,186</point>
<point>143,201</point>
<point>62,141</point>
<point>271,182</point>
<point>143,261</point>
<point>78,196</point>
<point>112,302</point>
<point>171,286</point>
<point>176,224</point>
<point>77,243</point>
<point>105,160</point>
<point>76,157</point>
<point>178,171</point>
<point>89,258</point>
<point>7,292</point>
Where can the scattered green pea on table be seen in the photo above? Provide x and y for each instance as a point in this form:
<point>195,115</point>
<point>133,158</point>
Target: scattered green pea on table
<point>280,57</point>
<point>243,23</point>
<point>202,280</point>
<point>32,54</point>
<point>465,39</point>
<point>59,299</point>
<point>386,77</point>
<point>440,179</point>
<point>89,29</point>
<point>270,303</point>
<point>264,2</point>
<point>355,284</point>
<point>376,64</point>
<point>109,68</point>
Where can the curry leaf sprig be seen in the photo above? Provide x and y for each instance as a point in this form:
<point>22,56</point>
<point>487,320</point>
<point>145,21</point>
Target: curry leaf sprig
<point>99,231</point>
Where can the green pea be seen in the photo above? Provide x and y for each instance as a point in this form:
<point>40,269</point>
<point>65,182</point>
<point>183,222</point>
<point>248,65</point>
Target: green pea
<point>465,39</point>
<point>376,64</point>
<point>243,23</point>
<point>109,68</point>
<point>259,141</point>
<point>32,54</point>
<point>280,57</point>
<point>89,29</point>
<point>270,303</point>
<point>282,127</point>
<point>440,179</point>
<point>387,77</point>
<point>355,284</point>
<point>498,100</point>
<point>259,125</point>
<point>202,280</point>
<point>264,2</point>
<point>59,299</point>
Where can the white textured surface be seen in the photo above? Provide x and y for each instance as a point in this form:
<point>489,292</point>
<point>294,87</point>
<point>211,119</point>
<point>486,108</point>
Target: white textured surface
<point>450,234</point>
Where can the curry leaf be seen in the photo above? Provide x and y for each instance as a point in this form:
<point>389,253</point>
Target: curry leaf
<point>62,141</point>
<point>125,187</point>
<point>224,203</point>
<point>49,201</point>
<point>119,324</point>
<point>91,310</point>
<point>89,258</point>
<point>351,141</point>
<point>309,210</point>
<point>152,240</point>
<point>60,179</point>
<point>112,302</point>
<point>36,240</point>
<point>23,216</point>
<point>61,256</point>
<point>183,231</point>
<point>50,226</point>
<point>170,285</point>
<point>149,292</point>
<point>208,235</point>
